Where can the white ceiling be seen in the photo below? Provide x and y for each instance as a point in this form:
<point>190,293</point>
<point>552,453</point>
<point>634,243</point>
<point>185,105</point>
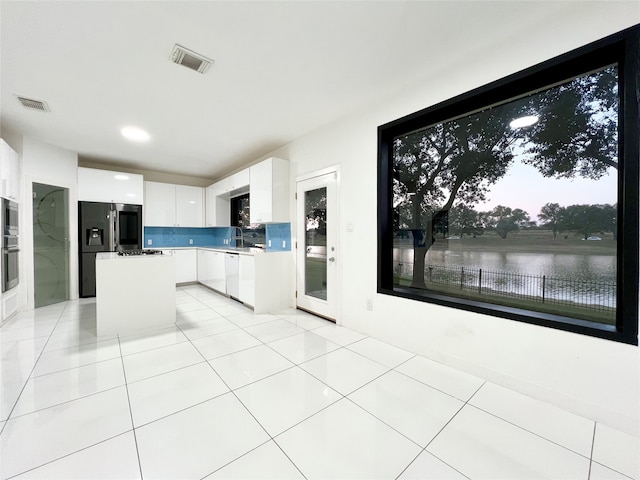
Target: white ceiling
<point>282,69</point>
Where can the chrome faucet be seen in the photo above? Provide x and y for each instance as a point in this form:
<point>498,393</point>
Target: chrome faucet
<point>233,235</point>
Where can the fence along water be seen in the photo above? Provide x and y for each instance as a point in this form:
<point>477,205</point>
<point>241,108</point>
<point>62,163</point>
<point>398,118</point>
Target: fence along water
<point>596,296</point>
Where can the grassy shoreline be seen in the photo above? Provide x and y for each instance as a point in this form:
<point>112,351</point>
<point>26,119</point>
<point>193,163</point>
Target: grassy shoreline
<point>523,243</point>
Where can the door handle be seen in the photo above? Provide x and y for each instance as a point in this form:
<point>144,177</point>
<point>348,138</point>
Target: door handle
<point>332,259</point>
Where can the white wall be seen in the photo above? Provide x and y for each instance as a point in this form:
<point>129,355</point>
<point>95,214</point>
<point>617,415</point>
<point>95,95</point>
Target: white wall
<point>47,164</point>
<point>592,377</point>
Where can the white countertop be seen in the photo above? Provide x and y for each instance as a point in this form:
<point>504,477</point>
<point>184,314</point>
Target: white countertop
<point>115,256</point>
<point>238,250</point>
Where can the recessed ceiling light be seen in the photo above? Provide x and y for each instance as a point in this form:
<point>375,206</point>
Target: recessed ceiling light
<point>135,134</point>
<point>524,121</point>
<point>120,176</point>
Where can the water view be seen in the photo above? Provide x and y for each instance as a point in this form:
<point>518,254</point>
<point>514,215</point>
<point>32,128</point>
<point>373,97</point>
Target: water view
<point>568,276</point>
<point>584,267</point>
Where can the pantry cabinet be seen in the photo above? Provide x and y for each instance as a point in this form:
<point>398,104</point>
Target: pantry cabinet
<point>269,191</point>
<point>168,205</point>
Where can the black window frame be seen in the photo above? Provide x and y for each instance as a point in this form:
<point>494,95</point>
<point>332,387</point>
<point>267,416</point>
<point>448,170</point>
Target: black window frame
<point>622,48</point>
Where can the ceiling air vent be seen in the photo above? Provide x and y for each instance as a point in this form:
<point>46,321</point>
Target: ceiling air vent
<point>190,59</point>
<point>32,104</point>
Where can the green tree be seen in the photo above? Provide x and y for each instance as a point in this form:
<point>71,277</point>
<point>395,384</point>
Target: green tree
<point>464,220</point>
<point>589,219</point>
<point>504,220</point>
<point>551,214</point>
<point>578,133</point>
<point>459,160</point>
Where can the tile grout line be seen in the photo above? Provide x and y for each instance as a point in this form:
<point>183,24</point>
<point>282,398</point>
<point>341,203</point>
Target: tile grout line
<point>529,431</point>
<point>424,450</point>
<point>448,422</point>
<point>68,401</point>
<point>593,442</point>
<point>271,438</point>
<point>73,368</point>
<point>68,455</point>
<point>614,470</point>
<point>90,342</point>
<point>235,459</point>
<point>343,396</point>
<point>133,427</point>
<point>4,425</point>
<point>428,385</point>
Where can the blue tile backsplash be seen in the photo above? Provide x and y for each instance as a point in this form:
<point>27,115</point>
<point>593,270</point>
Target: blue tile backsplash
<point>277,235</point>
<point>167,237</point>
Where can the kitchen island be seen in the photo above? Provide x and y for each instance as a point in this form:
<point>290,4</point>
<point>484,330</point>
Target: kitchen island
<point>134,293</point>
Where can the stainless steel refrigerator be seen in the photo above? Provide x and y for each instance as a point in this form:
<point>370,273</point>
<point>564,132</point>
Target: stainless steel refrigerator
<point>105,227</point>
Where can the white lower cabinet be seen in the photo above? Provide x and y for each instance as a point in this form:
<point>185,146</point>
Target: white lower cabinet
<point>247,279</point>
<point>211,271</point>
<point>186,265</point>
<point>264,279</point>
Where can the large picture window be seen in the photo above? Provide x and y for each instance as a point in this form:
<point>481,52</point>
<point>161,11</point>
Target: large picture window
<point>520,199</point>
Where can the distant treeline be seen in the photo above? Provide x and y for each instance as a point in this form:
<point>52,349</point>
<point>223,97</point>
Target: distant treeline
<point>585,220</point>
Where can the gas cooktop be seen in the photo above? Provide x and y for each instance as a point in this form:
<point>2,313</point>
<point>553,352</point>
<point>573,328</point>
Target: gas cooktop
<point>140,252</point>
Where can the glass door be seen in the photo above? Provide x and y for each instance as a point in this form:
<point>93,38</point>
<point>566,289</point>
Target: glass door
<point>317,242</point>
<point>50,244</point>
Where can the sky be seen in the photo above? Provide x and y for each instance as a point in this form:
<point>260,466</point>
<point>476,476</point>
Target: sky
<point>524,187</point>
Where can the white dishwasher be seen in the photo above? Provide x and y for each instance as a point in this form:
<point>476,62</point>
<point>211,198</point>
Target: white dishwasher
<point>232,268</point>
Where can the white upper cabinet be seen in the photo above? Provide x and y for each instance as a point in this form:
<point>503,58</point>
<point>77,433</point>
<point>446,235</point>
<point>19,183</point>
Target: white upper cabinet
<point>218,195</point>
<point>268,185</point>
<point>9,172</point>
<point>218,214</point>
<point>160,204</point>
<point>110,187</point>
<point>168,205</point>
<point>269,191</point>
<point>236,182</point>
<point>189,206</point>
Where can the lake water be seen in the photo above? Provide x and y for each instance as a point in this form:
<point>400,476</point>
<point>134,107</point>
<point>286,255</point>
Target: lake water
<point>584,274</point>
<point>589,268</point>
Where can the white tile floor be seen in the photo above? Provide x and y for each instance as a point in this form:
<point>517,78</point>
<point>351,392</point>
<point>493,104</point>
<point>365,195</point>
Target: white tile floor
<point>230,394</point>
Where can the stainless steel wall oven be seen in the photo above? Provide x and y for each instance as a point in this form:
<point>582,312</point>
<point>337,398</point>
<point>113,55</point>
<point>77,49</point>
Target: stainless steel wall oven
<point>10,245</point>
